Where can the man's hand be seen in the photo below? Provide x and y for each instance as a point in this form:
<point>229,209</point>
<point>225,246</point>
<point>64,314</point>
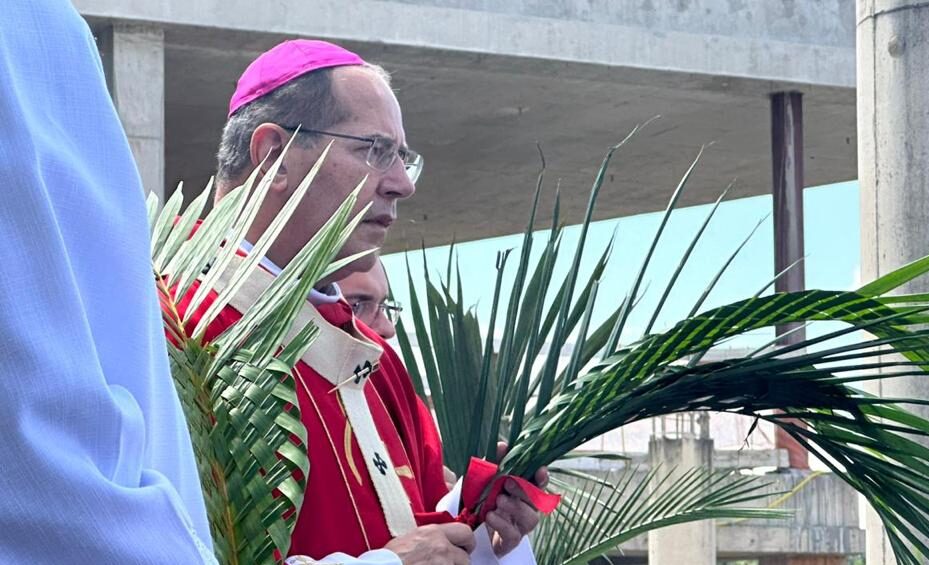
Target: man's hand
<point>514,516</point>
<point>443,544</point>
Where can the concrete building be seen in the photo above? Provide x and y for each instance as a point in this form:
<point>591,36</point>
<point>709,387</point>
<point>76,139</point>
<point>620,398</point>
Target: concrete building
<point>824,529</point>
<point>482,81</point>
<point>770,82</point>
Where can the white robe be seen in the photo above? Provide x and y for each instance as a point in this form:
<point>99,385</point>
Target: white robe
<point>96,462</point>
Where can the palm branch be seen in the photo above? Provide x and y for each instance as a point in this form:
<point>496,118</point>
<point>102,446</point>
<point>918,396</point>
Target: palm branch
<point>236,390</point>
<point>547,413</point>
<point>598,514</point>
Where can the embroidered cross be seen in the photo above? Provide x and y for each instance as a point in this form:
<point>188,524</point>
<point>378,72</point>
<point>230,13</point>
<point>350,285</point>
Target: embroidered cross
<point>380,463</point>
<point>363,371</point>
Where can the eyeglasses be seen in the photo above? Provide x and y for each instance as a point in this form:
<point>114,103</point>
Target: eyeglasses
<point>382,152</point>
<point>368,310</point>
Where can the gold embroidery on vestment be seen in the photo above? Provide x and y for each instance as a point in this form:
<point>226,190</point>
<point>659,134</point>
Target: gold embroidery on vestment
<point>349,456</point>
<point>404,471</point>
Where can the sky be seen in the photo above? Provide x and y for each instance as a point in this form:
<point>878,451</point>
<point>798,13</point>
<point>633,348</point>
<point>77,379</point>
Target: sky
<point>831,242</point>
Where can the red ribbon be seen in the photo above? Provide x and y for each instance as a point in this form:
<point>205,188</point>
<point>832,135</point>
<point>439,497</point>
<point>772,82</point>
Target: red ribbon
<point>482,477</point>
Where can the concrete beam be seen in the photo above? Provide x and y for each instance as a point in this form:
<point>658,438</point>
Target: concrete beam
<point>722,459</point>
<point>810,542</point>
<point>778,40</point>
<point>133,60</point>
<point>803,560</point>
<point>777,542</point>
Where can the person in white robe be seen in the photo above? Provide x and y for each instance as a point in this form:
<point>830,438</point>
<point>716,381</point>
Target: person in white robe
<point>97,465</point>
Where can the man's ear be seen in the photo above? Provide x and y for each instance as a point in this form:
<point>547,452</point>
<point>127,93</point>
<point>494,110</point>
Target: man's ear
<point>268,140</point>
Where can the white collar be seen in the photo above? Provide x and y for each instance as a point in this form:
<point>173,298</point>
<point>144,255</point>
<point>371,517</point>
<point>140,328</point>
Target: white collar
<point>331,295</point>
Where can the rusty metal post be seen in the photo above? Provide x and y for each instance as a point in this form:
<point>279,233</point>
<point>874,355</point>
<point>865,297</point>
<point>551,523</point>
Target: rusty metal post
<point>787,160</point>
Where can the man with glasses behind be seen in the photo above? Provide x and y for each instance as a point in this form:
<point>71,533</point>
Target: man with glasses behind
<point>375,454</point>
<point>367,293</point>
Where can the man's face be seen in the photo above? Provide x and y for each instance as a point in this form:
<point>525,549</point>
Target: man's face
<point>366,291</point>
<point>372,110</point>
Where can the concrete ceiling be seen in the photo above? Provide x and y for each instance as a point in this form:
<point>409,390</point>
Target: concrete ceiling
<point>476,118</point>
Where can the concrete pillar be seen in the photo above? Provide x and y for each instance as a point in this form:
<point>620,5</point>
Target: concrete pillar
<point>893,166</point>
<point>694,543</point>
<point>787,189</point>
<point>133,61</point>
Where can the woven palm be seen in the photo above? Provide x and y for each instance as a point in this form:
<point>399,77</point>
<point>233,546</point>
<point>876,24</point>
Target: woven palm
<point>236,389</point>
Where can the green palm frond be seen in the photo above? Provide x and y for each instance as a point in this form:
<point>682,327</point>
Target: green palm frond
<point>237,390</point>
<point>597,514</point>
<point>863,438</point>
<point>548,412</point>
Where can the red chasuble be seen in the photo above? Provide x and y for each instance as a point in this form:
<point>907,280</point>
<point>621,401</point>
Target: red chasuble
<point>345,509</point>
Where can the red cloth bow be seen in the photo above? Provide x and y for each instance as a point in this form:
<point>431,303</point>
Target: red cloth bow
<point>482,474</point>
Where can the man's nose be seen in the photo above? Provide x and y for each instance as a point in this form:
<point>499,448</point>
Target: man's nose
<point>384,327</point>
<point>396,184</point>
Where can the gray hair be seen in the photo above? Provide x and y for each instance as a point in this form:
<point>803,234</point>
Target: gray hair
<point>307,100</point>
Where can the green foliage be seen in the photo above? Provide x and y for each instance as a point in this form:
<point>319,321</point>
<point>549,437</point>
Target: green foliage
<point>237,390</point>
<point>867,441</point>
<point>598,514</point>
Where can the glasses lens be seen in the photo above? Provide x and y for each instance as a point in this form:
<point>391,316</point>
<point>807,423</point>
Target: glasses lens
<point>382,153</point>
<point>365,310</point>
<point>414,165</point>
<point>392,311</point>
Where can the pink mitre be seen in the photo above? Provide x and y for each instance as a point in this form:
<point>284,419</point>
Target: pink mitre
<point>285,62</point>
